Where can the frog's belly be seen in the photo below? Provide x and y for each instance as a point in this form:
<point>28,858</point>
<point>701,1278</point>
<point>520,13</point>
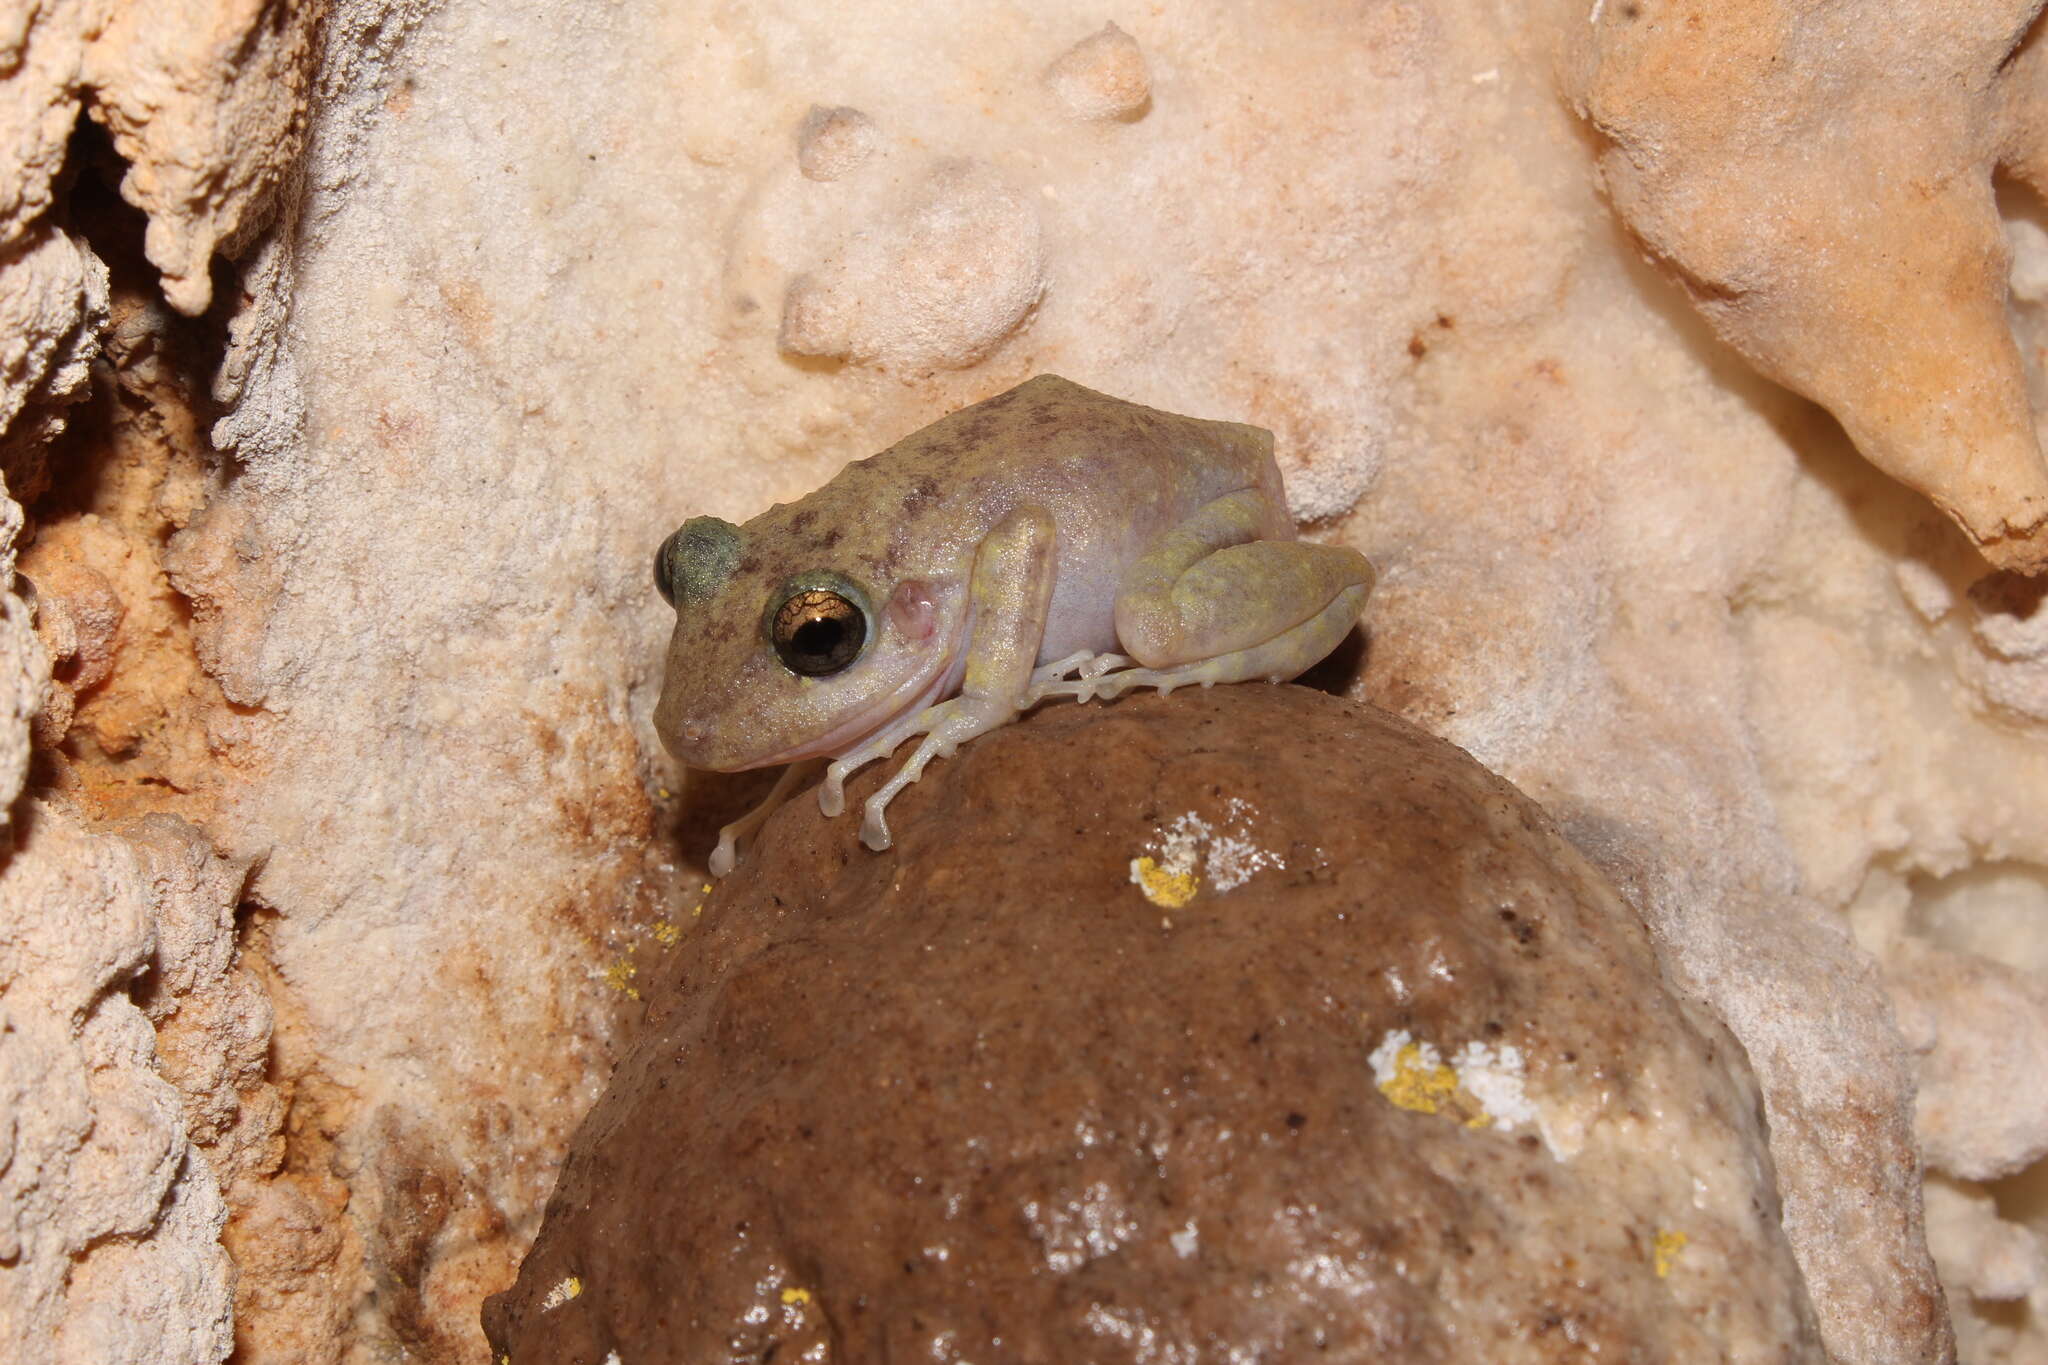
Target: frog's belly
<point>1099,541</point>
<point>1082,616</point>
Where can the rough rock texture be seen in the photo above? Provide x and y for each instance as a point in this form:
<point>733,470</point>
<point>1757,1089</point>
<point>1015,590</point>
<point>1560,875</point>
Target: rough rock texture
<point>135,1051</point>
<point>206,105</point>
<point>503,335</point>
<point>109,1225</point>
<point>935,275</point>
<point>1981,1028</point>
<point>1103,76</point>
<point>1818,176</point>
<point>1362,1062</point>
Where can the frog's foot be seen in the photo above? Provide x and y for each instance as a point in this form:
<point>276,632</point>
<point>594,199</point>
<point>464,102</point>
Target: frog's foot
<point>726,855</point>
<point>882,743</point>
<point>949,725</point>
<point>1276,660</point>
<point>945,727</point>
<point>1051,680</point>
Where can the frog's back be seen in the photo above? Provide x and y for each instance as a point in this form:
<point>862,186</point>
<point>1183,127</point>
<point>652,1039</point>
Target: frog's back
<point>1067,448</point>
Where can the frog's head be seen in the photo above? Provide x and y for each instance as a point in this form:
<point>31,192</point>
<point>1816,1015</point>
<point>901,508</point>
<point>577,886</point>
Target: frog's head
<point>775,661</point>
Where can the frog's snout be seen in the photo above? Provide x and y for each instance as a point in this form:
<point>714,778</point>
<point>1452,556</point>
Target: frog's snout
<point>681,734</point>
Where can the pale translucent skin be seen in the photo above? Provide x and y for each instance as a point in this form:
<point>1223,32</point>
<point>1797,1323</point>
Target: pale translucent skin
<point>1050,541</point>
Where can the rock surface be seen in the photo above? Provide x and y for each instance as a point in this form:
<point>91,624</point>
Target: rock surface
<point>109,1227</point>
<point>1818,176</point>
<point>1251,1023</point>
<point>388,640</point>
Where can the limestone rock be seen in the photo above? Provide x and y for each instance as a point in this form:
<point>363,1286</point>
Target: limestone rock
<point>938,278</point>
<point>1818,177</point>
<point>1982,1030</point>
<point>1102,77</point>
<point>832,142</point>
<point>1240,1022</point>
<point>109,1226</point>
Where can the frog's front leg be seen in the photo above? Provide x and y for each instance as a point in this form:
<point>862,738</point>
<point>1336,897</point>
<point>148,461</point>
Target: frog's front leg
<point>726,854</point>
<point>1211,601</point>
<point>1009,594</point>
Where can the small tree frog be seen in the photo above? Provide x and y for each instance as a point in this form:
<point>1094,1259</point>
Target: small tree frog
<point>1050,541</point>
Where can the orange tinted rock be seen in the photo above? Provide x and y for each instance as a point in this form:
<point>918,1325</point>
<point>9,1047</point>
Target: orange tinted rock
<point>1399,1081</point>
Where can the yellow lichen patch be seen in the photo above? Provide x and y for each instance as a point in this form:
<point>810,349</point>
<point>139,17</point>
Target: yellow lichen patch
<point>1666,1248</point>
<point>1420,1082</point>
<point>1480,1086</point>
<point>796,1298</point>
<point>619,976</point>
<point>1163,885</point>
<point>568,1289</point>
<point>1188,846</point>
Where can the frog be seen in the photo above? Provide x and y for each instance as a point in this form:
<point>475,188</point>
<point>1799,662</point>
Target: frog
<point>1048,542</point>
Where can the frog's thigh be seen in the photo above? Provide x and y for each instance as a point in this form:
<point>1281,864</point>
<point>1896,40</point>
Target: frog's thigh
<point>1210,587</point>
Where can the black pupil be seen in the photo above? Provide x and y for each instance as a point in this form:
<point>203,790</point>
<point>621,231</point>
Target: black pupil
<point>818,631</point>
<point>817,639</point>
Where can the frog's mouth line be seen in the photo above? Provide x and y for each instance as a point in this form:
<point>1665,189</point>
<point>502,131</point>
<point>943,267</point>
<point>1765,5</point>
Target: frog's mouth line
<point>922,693</point>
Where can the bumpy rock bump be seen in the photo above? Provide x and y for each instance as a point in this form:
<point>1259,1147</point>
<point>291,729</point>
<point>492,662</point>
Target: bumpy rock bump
<point>936,283</point>
<point>1102,77</point>
<point>1250,1022</point>
<point>1982,1029</point>
<point>831,142</point>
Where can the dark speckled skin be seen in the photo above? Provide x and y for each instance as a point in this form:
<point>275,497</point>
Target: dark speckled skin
<point>1114,476</point>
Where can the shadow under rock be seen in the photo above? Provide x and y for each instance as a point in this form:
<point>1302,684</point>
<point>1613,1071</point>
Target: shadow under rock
<point>1340,671</point>
<point>704,801</point>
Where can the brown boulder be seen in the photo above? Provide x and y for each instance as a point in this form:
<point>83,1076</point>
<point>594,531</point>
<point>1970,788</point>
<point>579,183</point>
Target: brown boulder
<point>1399,1081</point>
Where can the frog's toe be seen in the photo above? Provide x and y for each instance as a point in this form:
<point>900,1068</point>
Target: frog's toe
<point>832,792</point>
<point>1103,663</point>
<point>1051,680</point>
<point>874,827</point>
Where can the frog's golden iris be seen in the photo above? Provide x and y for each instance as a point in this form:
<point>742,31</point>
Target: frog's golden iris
<point>816,632</point>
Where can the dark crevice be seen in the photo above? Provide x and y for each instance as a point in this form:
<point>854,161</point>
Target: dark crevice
<point>102,501</point>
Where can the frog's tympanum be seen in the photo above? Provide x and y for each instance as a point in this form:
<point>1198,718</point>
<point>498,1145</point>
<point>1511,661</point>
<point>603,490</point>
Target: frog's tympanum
<point>1050,541</point>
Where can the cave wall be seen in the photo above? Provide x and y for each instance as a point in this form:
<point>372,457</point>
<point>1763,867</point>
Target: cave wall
<point>359,354</point>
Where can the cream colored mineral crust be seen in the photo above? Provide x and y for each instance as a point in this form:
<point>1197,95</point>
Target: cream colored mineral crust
<point>1529,296</point>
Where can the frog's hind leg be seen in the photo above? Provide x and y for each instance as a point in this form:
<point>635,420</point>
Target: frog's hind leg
<point>1276,660</point>
<point>1219,598</point>
<point>726,855</point>
<point>1051,680</point>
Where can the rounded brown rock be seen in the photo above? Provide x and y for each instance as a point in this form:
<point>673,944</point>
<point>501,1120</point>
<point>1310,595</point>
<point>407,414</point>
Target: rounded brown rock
<point>1248,1025</point>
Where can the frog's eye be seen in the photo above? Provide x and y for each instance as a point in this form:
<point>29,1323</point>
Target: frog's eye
<point>664,582</point>
<point>817,631</point>
<point>695,562</point>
